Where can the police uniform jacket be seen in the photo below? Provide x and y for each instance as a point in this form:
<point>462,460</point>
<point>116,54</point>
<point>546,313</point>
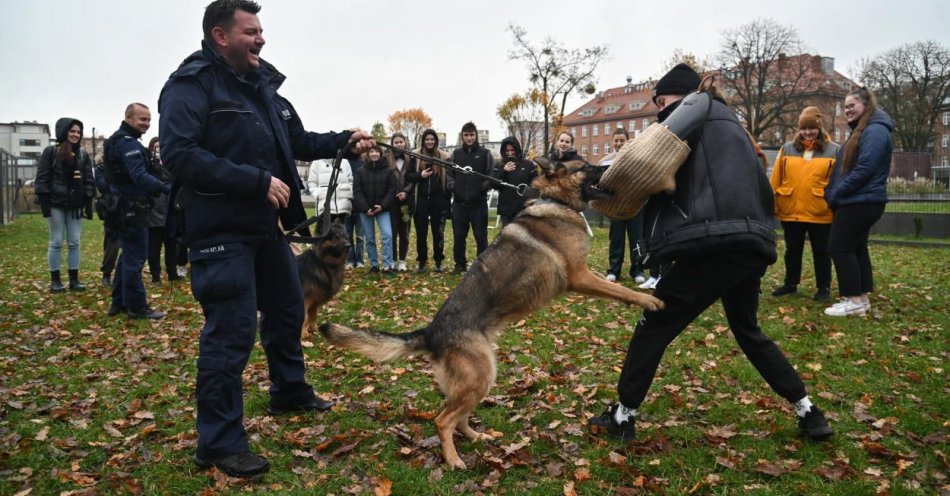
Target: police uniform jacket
<point>128,160</point>
<point>224,136</point>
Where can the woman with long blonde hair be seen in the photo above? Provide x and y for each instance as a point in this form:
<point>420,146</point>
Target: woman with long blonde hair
<point>857,194</point>
<point>432,195</point>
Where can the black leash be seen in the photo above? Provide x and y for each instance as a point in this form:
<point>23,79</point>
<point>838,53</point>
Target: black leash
<point>323,220</point>
<point>445,164</point>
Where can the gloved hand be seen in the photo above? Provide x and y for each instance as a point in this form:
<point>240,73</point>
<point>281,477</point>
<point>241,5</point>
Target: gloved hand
<point>45,205</point>
<point>87,210</point>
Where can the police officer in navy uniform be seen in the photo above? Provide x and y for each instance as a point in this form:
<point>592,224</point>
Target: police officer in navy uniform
<point>129,177</point>
<point>230,140</point>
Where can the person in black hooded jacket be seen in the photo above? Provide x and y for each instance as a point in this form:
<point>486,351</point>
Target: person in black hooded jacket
<point>513,168</point>
<point>432,197</point>
<point>564,150</point>
<point>717,229</point>
<point>65,187</point>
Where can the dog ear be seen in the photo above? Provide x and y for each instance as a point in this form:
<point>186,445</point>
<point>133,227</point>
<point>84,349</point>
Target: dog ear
<point>547,166</point>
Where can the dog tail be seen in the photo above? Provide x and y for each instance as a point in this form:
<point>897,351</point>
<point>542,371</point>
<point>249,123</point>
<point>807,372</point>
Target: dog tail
<point>377,345</point>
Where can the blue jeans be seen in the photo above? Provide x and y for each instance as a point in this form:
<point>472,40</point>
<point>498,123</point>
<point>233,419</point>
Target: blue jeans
<point>354,229</point>
<point>127,288</point>
<point>59,220</point>
<point>386,238</point>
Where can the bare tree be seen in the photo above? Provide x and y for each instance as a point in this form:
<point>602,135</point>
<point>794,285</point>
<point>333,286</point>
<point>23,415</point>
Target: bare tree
<point>522,114</point>
<point>764,73</point>
<point>912,83</point>
<point>556,71</point>
<point>681,56</point>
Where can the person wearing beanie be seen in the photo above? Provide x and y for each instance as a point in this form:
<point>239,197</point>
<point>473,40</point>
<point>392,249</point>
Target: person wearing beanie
<point>716,228</point>
<point>470,193</point>
<point>680,80</point>
<point>65,187</point>
<point>799,178</point>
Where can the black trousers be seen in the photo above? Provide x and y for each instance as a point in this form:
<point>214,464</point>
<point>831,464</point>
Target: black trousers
<point>689,288</point>
<point>430,214</point>
<point>400,233</point>
<point>620,232</point>
<point>848,245</point>
<point>233,281</point>
<point>463,217</point>
<point>157,238</point>
<point>818,234</point>
<point>110,251</point>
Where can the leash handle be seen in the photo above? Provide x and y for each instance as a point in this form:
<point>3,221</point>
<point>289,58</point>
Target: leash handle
<point>323,220</point>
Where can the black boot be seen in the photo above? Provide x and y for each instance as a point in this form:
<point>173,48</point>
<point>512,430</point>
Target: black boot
<point>56,285</point>
<point>74,284</point>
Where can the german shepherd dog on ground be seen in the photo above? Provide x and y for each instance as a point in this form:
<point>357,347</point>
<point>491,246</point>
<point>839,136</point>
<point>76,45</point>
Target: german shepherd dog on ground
<point>539,256</point>
<point>321,268</point>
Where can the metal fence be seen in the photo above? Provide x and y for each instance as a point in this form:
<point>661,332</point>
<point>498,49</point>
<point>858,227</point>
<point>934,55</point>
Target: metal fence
<point>16,186</point>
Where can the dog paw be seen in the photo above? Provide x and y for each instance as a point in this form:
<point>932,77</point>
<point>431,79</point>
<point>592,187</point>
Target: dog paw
<point>455,463</point>
<point>651,303</point>
<point>483,436</point>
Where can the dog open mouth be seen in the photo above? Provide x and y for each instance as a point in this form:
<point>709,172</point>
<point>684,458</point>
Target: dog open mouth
<point>590,189</point>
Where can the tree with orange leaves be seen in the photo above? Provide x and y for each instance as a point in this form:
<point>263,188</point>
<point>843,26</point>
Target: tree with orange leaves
<point>411,122</point>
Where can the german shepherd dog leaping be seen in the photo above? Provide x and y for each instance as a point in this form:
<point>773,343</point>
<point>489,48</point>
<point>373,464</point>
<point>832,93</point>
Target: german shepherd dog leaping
<point>539,256</point>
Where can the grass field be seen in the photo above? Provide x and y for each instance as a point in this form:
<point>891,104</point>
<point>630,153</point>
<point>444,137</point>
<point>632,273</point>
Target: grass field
<point>98,405</point>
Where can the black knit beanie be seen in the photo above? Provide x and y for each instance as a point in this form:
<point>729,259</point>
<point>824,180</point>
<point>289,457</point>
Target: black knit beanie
<point>680,80</point>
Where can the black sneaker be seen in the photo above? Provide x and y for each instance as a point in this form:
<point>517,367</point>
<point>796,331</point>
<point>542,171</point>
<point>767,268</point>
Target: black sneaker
<point>785,290</point>
<point>814,425</point>
<point>316,404</point>
<point>421,269</point>
<point>146,313</point>
<point>823,294</point>
<point>245,464</point>
<point>116,310</point>
<point>374,270</point>
<point>459,269</point>
<point>438,268</point>
<point>606,424</point>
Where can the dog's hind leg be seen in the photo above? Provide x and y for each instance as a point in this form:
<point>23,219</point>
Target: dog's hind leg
<point>465,378</point>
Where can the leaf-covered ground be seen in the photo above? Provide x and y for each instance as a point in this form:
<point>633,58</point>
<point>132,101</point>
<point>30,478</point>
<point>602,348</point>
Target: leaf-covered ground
<point>97,405</point>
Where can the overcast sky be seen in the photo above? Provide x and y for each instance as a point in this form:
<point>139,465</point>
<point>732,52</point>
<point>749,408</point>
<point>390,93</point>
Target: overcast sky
<point>353,63</point>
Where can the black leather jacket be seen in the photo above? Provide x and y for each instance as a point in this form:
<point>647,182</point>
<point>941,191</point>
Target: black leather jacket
<point>723,201</point>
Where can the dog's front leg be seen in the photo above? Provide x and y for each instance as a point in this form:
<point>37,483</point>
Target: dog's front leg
<point>586,282</point>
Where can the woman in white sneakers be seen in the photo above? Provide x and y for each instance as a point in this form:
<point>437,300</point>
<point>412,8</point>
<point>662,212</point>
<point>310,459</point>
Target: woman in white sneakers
<point>857,194</point>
